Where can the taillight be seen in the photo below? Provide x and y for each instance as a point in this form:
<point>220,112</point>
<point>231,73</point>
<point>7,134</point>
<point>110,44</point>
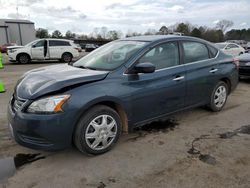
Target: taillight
<point>78,49</point>
<point>236,62</point>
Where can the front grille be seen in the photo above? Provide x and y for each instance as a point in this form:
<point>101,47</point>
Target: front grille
<point>17,104</point>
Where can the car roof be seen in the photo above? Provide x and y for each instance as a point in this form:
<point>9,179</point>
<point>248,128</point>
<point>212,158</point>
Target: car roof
<point>58,39</point>
<point>152,38</point>
<point>226,43</point>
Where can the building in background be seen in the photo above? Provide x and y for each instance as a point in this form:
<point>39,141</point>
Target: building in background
<point>20,32</point>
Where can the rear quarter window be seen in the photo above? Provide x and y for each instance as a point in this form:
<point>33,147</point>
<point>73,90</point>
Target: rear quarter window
<point>213,51</point>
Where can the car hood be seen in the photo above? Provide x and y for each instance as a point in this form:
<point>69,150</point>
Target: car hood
<point>38,82</point>
<point>14,47</point>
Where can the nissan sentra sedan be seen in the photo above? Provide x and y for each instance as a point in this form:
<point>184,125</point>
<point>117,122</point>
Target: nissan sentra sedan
<point>119,86</point>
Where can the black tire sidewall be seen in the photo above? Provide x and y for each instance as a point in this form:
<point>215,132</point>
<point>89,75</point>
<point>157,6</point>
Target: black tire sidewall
<point>212,105</point>
<point>79,136</point>
<point>67,55</point>
<point>28,59</point>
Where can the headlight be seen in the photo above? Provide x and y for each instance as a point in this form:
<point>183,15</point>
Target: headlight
<point>48,105</point>
<point>12,51</point>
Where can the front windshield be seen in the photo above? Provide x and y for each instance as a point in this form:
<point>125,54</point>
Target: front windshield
<point>110,56</point>
<point>220,45</point>
<point>33,42</point>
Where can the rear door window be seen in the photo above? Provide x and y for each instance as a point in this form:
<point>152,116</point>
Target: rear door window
<point>194,51</point>
<point>58,43</point>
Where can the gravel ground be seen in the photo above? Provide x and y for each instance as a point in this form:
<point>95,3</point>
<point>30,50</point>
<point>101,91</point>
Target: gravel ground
<point>159,155</point>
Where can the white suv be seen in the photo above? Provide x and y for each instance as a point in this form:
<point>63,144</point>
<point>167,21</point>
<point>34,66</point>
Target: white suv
<point>45,49</point>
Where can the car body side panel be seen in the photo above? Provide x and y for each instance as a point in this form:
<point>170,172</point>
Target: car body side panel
<point>200,81</point>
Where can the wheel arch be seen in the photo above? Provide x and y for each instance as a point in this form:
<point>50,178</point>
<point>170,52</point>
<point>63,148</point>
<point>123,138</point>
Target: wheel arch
<point>112,103</point>
<point>228,82</point>
<point>22,53</point>
<point>67,53</point>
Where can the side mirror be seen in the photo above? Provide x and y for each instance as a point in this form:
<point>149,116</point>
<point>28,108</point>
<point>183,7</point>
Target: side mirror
<point>33,46</point>
<point>144,68</point>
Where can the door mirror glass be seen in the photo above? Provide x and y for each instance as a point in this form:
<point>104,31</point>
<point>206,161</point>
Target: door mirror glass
<point>146,67</point>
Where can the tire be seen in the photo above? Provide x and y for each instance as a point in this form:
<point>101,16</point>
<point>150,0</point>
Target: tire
<point>67,58</point>
<point>23,58</point>
<point>218,97</point>
<point>92,135</point>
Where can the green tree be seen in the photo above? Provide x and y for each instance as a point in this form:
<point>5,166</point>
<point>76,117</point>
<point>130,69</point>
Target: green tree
<point>70,35</point>
<point>196,33</point>
<point>113,35</point>
<point>57,34</point>
<point>183,28</point>
<point>42,33</point>
<point>163,30</point>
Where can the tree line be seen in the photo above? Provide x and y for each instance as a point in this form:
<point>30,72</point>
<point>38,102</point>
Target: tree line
<point>219,33</point>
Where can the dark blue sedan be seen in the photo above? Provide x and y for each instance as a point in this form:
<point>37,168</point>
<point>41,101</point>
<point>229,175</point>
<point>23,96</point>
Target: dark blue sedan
<point>121,85</point>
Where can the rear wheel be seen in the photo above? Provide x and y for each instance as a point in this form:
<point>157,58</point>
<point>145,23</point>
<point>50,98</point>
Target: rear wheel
<point>98,130</point>
<point>219,97</point>
<point>23,58</point>
<point>67,58</point>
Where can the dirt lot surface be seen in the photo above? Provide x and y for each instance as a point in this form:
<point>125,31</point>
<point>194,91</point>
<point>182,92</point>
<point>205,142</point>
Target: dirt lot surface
<point>159,155</point>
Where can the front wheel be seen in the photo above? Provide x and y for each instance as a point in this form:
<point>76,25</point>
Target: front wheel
<point>23,59</point>
<point>219,97</point>
<point>98,130</point>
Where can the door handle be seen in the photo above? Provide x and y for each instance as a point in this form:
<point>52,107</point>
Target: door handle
<point>213,70</point>
<point>178,78</point>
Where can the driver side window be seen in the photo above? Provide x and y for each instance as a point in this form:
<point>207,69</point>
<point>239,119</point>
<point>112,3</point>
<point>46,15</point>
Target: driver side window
<point>39,44</point>
<point>162,56</point>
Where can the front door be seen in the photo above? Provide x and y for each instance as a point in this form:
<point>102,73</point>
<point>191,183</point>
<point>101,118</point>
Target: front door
<point>161,92</point>
<point>39,50</point>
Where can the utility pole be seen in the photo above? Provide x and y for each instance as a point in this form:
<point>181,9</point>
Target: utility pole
<point>17,14</point>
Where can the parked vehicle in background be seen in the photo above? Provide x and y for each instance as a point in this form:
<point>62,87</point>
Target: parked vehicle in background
<point>230,48</point>
<point>79,48</point>
<point>244,65</point>
<point>241,43</point>
<point>248,47</point>
<point>3,48</point>
<point>45,49</point>
<point>90,47</point>
<point>83,46</point>
<point>121,85</point>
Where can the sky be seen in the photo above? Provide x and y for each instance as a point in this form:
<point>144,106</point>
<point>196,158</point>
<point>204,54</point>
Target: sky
<point>82,16</point>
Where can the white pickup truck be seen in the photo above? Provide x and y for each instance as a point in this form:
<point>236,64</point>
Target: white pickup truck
<point>44,49</point>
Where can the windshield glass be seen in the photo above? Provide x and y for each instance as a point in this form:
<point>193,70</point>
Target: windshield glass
<point>110,56</point>
<point>33,42</point>
<point>220,45</point>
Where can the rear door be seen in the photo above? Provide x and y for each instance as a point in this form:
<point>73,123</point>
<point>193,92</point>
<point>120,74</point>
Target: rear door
<point>201,71</point>
<point>57,48</point>
<point>163,91</point>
